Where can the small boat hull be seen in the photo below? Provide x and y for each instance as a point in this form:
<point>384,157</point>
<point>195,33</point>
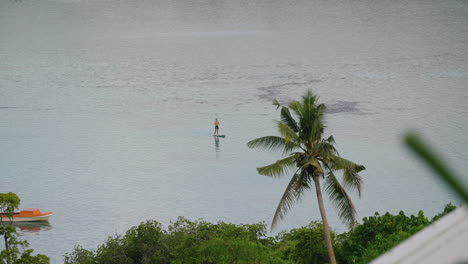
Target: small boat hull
<point>32,218</point>
<point>27,215</point>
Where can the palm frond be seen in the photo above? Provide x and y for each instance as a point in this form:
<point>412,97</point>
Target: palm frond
<point>314,162</point>
<point>351,178</point>
<point>310,117</point>
<point>296,106</point>
<point>276,103</point>
<point>288,119</point>
<point>272,143</point>
<point>309,106</point>
<point>279,168</point>
<point>331,140</point>
<point>309,99</point>
<point>316,123</point>
<point>288,133</point>
<point>301,136</point>
<point>293,192</point>
<point>325,150</point>
<point>308,102</point>
<point>341,199</point>
<point>320,110</point>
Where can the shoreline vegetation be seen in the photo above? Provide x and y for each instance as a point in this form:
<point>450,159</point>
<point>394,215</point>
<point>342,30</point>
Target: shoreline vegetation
<point>188,241</point>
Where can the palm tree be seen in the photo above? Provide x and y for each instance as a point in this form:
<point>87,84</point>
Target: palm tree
<point>312,158</point>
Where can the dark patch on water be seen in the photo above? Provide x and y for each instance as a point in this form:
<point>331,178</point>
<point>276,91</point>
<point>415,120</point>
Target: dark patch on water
<point>26,108</point>
<point>336,107</point>
<point>105,86</point>
<point>272,92</point>
<point>396,108</point>
<point>42,109</point>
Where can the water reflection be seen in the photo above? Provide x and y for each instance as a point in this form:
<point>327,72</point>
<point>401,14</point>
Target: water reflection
<point>217,149</point>
<point>32,227</point>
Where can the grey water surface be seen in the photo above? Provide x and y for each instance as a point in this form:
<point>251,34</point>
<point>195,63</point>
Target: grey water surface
<point>107,106</point>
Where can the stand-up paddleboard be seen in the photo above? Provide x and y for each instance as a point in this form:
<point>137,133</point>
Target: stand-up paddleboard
<point>220,136</point>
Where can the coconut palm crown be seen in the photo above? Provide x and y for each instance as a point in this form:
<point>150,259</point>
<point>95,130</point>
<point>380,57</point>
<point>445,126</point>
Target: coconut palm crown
<point>311,157</point>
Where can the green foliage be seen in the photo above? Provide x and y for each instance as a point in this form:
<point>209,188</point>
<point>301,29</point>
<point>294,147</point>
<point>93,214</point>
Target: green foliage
<point>201,242</point>
<point>448,208</point>
<point>310,157</point>
<point>144,244</point>
<point>9,202</point>
<point>241,251</point>
<point>16,251</point>
<point>313,157</point>
<point>377,234</point>
<point>382,244</point>
<point>304,245</point>
<point>22,256</point>
<point>81,255</point>
<point>185,241</point>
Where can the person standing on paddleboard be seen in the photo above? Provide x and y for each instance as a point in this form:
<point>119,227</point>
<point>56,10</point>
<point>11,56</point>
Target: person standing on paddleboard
<point>216,123</point>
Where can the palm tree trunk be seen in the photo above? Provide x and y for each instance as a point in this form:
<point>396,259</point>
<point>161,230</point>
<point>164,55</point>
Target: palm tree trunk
<point>331,253</point>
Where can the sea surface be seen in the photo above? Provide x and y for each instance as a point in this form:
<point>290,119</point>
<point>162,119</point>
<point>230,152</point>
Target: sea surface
<point>107,106</point>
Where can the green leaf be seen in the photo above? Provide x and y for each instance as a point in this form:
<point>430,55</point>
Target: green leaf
<point>293,192</point>
<point>288,133</point>
<point>330,140</point>
<point>276,103</point>
<point>318,170</point>
<point>8,203</point>
<point>351,178</point>
<point>288,119</point>
<point>324,150</point>
<point>341,199</point>
<point>296,107</point>
<point>279,168</point>
<point>272,143</point>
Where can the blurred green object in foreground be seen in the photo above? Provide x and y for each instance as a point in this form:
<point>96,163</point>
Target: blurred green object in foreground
<point>423,151</point>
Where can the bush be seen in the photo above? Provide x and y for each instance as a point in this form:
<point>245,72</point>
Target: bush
<point>185,242</point>
<point>19,253</point>
<point>144,244</point>
<point>376,235</point>
<point>201,242</point>
<point>304,245</point>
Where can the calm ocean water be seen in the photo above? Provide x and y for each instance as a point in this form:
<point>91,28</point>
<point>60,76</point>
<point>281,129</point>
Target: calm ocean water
<point>107,107</point>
